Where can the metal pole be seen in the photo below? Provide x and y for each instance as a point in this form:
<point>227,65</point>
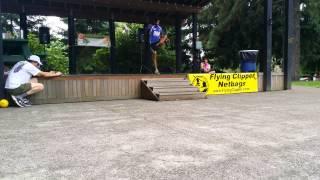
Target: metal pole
<point>289,43</point>
<point>178,44</point>
<point>23,25</point>
<point>268,46</point>
<point>71,42</point>
<point>196,64</point>
<point>2,82</point>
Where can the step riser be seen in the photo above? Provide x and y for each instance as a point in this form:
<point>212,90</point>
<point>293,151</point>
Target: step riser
<point>179,93</point>
<point>165,80</point>
<point>174,87</point>
<point>163,84</point>
<point>182,97</point>
<point>168,90</point>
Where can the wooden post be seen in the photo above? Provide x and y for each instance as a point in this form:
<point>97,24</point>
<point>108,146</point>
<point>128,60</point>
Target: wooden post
<point>267,46</point>
<point>146,68</point>
<point>71,42</point>
<point>23,25</point>
<point>289,43</point>
<point>112,47</point>
<point>178,44</point>
<point>196,63</point>
<point>2,82</point>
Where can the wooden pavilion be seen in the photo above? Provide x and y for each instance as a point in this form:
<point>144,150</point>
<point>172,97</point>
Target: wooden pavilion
<point>171,12</point>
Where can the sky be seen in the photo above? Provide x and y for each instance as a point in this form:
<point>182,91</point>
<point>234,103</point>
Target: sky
<point>55,24</point>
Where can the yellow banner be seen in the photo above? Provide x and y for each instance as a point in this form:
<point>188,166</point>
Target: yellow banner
<point>225,83</point>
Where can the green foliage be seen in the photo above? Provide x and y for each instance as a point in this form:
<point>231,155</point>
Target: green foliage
<point>310,35</point>
<point>167,54</point>
<point>92,60</point>
<point>315,84</point>
<point>229,26</point>
<point>129,52</point>
<point>57,58</point>
<point>54,56</point>
<point>166,59</point>
<point>34,44</point>
<point>127,49</point>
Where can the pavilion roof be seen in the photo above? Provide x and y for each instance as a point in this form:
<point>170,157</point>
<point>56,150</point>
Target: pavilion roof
<point>140,11</point>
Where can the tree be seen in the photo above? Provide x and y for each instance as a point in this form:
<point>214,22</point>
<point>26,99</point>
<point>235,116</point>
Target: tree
<point>229,26</point>
<point>310,35</point>
<point>11,23</point>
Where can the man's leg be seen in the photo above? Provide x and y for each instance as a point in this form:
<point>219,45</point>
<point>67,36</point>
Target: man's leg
<point>19,94</point>
<point>155,63</point>
<point>35,87</point>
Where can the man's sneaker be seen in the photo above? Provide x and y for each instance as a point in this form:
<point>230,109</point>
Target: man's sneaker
<point>157,71</point>
<point>26,102</point>
<point>18,100</point>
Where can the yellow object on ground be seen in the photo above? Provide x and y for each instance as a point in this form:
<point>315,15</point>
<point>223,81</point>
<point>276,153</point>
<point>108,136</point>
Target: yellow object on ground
<point>4,103</point>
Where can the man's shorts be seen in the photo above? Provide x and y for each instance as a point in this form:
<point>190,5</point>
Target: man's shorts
<point>23,88</point>
<point>154,46</point>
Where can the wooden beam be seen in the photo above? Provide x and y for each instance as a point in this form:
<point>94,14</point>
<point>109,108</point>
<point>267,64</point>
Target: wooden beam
<point>101,13</point>
<point>23,25</point>
<point>71,43</point>
<point>195,60</point>
<point>132,4</point>
<point>2,82</point>
<point>178,44</point>
<point>289,43</point>
<point>112,35</point>
<point>267,53</point>
<point>146,66</point>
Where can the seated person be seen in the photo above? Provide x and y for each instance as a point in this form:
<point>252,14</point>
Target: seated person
<point>20,83</point>
<point>205,67</point>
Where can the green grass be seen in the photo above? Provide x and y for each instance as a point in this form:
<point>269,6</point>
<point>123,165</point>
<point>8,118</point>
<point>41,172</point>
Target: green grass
<point>315,84</point>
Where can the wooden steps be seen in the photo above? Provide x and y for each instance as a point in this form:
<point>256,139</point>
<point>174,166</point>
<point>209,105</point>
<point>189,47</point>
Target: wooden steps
<point>168,89</point>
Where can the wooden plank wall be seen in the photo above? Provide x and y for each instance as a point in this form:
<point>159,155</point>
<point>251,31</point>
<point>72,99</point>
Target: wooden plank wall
<point>109,87</point>
<point>91,88</point>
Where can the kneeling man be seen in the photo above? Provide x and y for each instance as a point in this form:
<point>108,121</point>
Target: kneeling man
<point>20,82</point>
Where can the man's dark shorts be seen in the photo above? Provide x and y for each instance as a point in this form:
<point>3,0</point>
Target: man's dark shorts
<point>154,46</point>
<point>23,88</point>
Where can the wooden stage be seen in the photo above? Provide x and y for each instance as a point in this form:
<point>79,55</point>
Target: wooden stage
<point>81,88</point>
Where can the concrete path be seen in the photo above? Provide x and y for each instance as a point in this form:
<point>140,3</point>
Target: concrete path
<point>249,136</point>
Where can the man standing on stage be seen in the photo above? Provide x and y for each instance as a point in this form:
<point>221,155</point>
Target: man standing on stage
<point>156,39</point>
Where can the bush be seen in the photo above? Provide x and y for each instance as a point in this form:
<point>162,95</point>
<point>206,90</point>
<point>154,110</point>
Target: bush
<point>57,57</point>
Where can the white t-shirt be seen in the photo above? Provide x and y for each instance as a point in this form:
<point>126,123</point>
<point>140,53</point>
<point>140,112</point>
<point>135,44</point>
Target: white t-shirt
<point>20,73</point>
